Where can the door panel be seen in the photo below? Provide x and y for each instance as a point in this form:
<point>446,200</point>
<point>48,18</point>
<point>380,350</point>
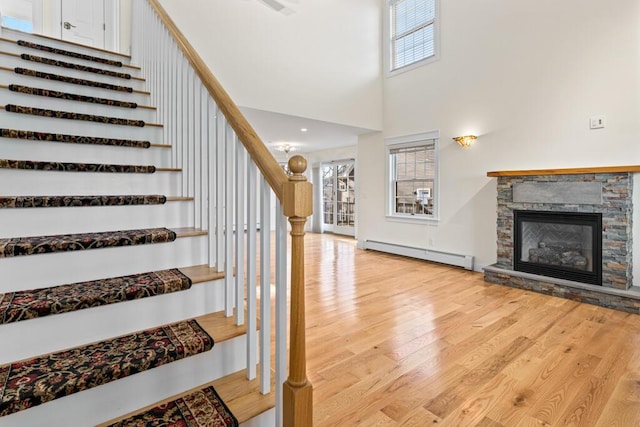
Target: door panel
<point>338,197</point>
<point>83,22</point>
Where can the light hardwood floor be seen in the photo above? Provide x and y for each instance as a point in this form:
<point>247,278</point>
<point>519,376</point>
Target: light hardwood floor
<point>395,341</point>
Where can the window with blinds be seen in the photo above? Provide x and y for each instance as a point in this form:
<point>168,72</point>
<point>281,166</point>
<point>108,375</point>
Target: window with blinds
<point>413,179</point>
<point>412,31</point>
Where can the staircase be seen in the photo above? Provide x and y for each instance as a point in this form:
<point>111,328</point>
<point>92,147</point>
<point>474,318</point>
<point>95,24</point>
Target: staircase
<point>123,203</point>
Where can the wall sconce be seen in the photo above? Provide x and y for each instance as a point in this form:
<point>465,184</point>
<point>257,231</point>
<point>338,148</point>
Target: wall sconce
<point>465,141</point>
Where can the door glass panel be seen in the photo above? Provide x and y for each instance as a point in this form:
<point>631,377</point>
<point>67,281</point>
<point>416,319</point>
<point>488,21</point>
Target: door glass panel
<point>338,197</point>
<point>327,194</point>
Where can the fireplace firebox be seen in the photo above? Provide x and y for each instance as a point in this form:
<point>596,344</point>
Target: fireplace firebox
<point>565,245</point>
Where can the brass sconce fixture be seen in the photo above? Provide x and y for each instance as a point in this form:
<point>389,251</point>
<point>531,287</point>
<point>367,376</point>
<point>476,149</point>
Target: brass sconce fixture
<point>465,141</point>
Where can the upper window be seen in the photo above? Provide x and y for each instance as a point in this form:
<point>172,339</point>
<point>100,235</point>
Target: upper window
<point>412,31</point>
<point>413,178</point>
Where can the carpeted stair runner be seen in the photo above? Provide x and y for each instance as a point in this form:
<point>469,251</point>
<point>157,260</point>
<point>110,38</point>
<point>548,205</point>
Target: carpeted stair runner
<point>23,305</point>
<point>73,139</point>
<point>42,379</point>
<point>27,90</point>
<point>68,53</point>
<point>72,201</point>
<point>72,80</point>
<point>18,246</point>
<point>41,112</point>
<point>74,167</point>
<point>202,408</point>
<point>69,65</point>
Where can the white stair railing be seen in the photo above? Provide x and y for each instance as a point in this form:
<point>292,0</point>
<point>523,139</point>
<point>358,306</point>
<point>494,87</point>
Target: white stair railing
<point>232,177</point>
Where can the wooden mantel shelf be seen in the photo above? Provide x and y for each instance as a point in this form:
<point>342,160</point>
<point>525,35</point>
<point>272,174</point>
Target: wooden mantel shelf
<point>568,171</point>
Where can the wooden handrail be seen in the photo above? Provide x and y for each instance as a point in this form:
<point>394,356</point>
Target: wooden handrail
<point>295,194</point>
<point>258,151</point>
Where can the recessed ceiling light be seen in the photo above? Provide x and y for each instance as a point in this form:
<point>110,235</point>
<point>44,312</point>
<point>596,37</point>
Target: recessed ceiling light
<point>303,129</point>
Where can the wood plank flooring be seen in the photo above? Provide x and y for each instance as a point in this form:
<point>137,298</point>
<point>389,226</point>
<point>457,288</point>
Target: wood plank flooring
<point>393,341</point>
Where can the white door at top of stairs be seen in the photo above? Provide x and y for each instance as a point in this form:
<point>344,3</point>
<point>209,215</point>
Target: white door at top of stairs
<point>83,21</point>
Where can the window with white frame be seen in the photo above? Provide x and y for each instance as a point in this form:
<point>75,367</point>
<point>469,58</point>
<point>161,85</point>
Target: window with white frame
<point>412,31</point>
<point>413,190</point>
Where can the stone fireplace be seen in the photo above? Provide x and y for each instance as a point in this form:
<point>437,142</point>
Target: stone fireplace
<point>567,233</point>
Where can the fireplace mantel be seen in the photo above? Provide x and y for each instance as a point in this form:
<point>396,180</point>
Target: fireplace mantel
<point>567,171</point>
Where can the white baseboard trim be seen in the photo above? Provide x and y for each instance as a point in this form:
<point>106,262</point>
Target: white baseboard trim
<point>458,260</point>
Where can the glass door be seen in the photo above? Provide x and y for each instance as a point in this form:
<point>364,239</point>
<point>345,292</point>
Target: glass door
<point>338,197</point>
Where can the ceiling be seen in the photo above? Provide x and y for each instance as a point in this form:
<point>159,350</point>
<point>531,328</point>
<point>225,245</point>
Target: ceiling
<point>278,130</point>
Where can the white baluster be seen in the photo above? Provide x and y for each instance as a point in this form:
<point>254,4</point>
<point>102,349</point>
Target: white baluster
<point>281,308</point>
<point>241,165</point>
<point>252,309</point>
<point>265,286</point>
<point>229,288</point>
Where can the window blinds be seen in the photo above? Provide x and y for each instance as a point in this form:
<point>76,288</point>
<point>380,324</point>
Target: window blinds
<point>412,31</point>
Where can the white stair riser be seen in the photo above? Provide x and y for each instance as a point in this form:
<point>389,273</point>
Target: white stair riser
<point>43,183</point>
<point>129,394</point>
<point>22,149</point>
<point>10,97</point>
<point>44,270</point>
<point>67,330</point>
<point>49,221</point>
<point>14,48</point>
<point>9,77</point>
<point>79,127</point>
<point>59,44</point>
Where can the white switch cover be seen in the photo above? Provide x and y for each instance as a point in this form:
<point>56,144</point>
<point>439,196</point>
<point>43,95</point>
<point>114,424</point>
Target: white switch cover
<point>596,122</point>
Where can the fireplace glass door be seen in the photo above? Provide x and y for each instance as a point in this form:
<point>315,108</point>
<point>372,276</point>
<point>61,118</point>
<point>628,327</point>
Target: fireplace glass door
<point>565,245</point>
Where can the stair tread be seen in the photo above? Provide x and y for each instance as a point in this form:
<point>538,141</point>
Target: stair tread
<point>189,231</point>
<point>72,66</point>
<point>75,167</point>
<point>243,397</point>
<point>72,139</point>
<point>30,90</point>
<point>70,115</point>
<point>202,273</point>
<point>202,407</point>
<point>97,49</point>
<point>31,304</point>
<point>28,383</point>
<point>21,246</point>
<point>74,201</point>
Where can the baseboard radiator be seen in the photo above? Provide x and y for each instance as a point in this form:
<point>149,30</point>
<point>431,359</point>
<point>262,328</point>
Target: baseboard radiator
<point>464,261</point>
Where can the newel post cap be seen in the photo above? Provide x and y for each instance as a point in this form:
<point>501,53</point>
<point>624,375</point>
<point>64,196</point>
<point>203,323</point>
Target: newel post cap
<point>297,192</point>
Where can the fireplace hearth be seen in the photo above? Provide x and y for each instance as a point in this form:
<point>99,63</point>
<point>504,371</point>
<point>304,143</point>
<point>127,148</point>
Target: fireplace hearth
<point>565,245</point>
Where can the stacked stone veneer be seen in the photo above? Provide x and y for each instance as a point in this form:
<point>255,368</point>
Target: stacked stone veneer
<point>616,209</point>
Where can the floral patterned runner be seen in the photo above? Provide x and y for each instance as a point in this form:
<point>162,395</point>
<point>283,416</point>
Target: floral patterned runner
<point>74,167</point>
<point>19,246</point>
<point>27,90</point>
<point>42,379</point>
<point>19,109</point>
<point>57,51</point>
<point>23,305</point>
<point>202,408</point>
<point>72,201</point>
<point>73,139</point>
<point>72,80</point>
<point>56,63</point>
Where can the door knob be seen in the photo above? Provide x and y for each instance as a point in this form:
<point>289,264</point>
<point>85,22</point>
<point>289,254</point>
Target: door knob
<point>68,25</point>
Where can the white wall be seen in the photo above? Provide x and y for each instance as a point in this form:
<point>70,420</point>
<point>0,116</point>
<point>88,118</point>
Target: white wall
<point>525,77</point>
<point>322,62</point>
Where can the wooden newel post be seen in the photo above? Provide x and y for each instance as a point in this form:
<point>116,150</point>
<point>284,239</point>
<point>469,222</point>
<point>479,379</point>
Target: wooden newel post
<point>297,390</point>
